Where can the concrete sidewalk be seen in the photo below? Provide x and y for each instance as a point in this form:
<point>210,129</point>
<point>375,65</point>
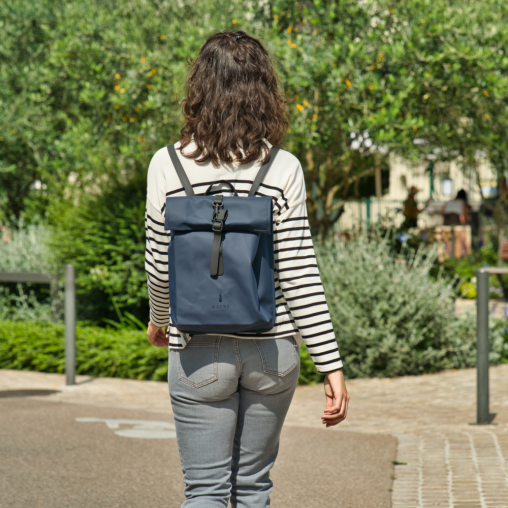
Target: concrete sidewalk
<point>441,459</point>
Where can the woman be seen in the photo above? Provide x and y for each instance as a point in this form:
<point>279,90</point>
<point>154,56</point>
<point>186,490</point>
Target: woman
<point>456,211</point>
<point>230,393</point>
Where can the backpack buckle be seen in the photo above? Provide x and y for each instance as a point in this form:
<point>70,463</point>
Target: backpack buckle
<point>217,204</point>
<point>219,214</point>
<point>218,220</point>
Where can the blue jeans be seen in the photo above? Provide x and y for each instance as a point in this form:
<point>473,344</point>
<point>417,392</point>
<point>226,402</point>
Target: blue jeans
<point>230,398</point>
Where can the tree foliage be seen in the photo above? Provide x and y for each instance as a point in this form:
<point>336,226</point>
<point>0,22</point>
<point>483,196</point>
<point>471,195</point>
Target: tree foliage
<point>418,78</point>
<point>91,90</point>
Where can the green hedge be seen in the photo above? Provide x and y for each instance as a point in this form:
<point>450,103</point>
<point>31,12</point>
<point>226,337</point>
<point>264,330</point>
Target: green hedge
<point>31,345</point>
<point>126,354</point>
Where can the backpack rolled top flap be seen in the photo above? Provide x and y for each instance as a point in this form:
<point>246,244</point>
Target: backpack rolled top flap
<point>220,258</point>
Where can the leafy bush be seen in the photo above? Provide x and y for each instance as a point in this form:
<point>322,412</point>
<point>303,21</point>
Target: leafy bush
<point>125,354</point>
<point>26,249</point>
<point>390,318</point>
<point>104,237</point>
<point>464,269</point>
<point>20,305</point>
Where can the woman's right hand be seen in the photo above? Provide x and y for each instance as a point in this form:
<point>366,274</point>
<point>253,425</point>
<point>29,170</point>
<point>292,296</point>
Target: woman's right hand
<point>337,399</point>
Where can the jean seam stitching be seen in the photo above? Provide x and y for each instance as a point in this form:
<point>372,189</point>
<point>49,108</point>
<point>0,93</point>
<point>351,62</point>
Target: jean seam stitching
<point>262,354</point>
<point>238,356</point>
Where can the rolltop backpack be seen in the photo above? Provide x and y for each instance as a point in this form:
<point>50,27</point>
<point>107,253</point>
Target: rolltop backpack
<point>220,258</point>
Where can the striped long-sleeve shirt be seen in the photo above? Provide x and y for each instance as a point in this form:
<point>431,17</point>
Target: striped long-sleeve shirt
<point>301,306</point>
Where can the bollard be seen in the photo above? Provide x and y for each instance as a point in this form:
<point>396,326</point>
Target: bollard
<point>70,325</point>
<point>482,345</point>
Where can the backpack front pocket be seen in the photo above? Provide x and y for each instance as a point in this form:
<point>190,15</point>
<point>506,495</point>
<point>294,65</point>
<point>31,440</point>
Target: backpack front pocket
<point>198,362</point>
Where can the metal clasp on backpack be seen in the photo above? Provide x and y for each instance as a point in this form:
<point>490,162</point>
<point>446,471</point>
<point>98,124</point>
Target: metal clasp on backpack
<point>218,220</point>
<point>219,215</point>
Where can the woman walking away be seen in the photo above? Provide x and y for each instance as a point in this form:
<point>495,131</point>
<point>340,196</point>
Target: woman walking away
<point>231,389</point>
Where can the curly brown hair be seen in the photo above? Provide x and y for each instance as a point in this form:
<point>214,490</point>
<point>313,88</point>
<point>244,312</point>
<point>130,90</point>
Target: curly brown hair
<point>234,100</point>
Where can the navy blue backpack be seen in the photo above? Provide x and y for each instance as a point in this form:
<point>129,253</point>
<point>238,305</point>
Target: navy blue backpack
<point>220,258</point>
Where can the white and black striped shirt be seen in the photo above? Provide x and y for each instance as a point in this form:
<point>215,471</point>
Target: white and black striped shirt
<point>302,310</point>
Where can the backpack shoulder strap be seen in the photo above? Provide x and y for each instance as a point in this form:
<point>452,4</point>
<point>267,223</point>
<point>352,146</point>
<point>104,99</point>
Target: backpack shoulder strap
<point>180,171</point>
<point>262,172</point>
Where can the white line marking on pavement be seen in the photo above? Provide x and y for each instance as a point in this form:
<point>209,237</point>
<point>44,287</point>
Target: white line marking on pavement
<point>477,469</point>
<point>500,455</point>
<point>141,429</point>
<point>420,472</point>
<point>449,469</point>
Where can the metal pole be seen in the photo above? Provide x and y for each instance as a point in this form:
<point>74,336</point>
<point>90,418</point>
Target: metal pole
<point>379,191</point>
<point>70,325</point>
<point>53,288</point>
<point>482,347</point>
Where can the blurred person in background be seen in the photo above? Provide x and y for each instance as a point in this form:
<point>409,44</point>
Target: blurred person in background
<point>456,211</point>
<point>410,209</point>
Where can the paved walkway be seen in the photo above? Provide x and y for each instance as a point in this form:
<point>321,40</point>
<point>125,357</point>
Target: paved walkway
<point>59,455</point>
<point>442,460</point>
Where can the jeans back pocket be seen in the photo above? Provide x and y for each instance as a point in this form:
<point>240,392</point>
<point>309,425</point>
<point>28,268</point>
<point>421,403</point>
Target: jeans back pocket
<point>198,361</point>
<point>279,356</point>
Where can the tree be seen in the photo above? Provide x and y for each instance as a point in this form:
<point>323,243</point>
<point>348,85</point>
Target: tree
<point>90,90</point>
<point>418,78</point>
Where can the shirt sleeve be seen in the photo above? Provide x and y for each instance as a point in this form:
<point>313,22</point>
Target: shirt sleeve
<point>300,282</point>
<point>157,242</point>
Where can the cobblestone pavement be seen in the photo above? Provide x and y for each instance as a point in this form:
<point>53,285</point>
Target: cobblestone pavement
<point>442,460</point>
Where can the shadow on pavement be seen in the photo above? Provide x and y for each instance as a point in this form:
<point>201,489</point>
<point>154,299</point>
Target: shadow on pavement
<point>8,394</point>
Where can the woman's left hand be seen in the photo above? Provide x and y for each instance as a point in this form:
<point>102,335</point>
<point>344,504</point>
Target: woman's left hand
<point>337,399</point>
<point>157,336</point>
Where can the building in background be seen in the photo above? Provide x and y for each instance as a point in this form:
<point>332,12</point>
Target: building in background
<point>438,181</point>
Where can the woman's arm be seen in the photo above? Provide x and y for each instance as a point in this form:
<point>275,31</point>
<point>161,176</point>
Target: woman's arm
<point>156,265</point>
<point>300,282</point>
<point>156,252</point>
<point>298,274</point>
